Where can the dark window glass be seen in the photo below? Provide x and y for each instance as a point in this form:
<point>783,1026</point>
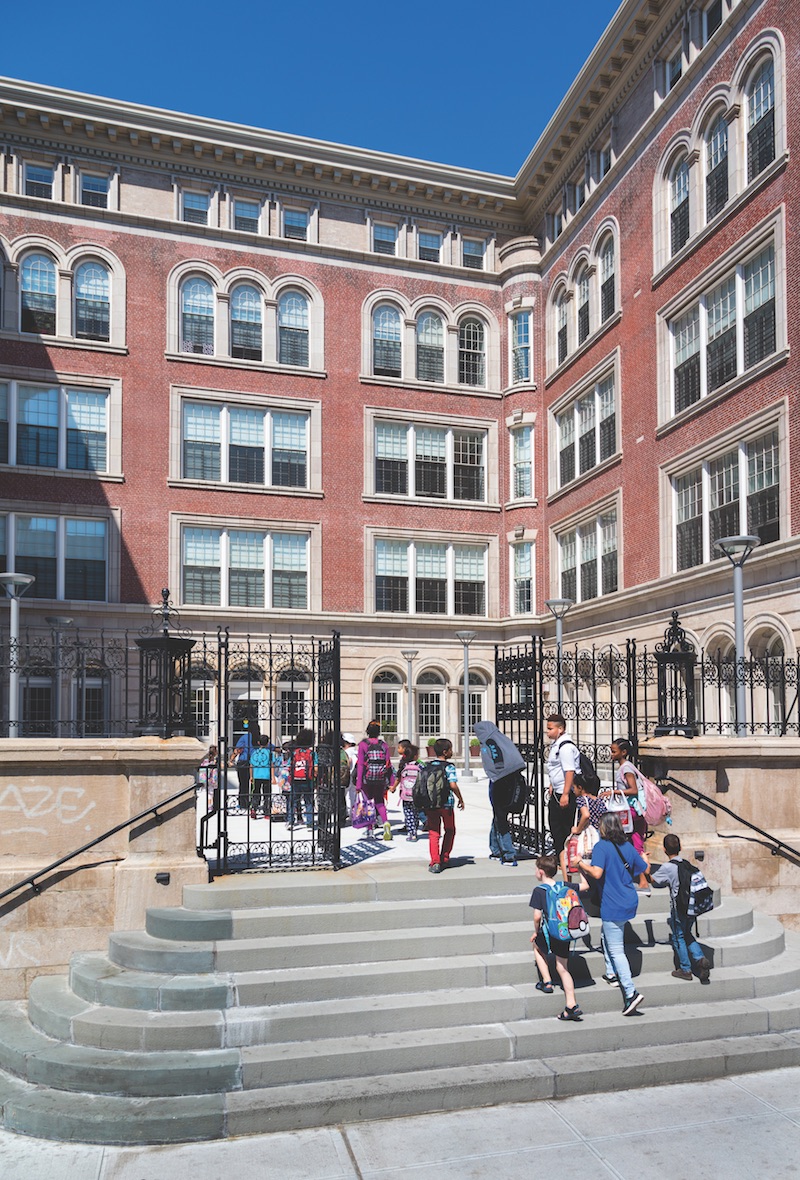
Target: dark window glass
<point>759,333</point>
<point>713,18</point>
<point>761,145</point>
<point>717,189</point>
<point>722,358</point>
<point>38,313</point>
<point>607,299</point>
<point>3,444</point>
<point>37,710</point>
<point>470,598</point>
<point>679,226</point>
<point>37,446</point>
<point>430,362</point>
<point>687,383</point>
<point>431,477</point>
<point>583,322</point>
<point>523,600</point>
<point>293,346</point>
<point>246,464</point>
<point>391,593</point>
<point>86,450</point>
<point>723,522</point>
<point>43,570</point>
<point>201,460</point>
<point>588,580</point>
<point>391,477</point>
<point>288,468</point>
<point>608,436</point>
<point>246,340</point>
<point>246,587</point>
<point>689,537</point>
<point>562,343</point>
<point>91,319</point>
<point>201,585</point>
<point>566,465</point>
<point>587,453</point>
<point>468,466</point>
<point>763,514</point>
<point>85,579</point>
<point>608,572</point>
<point>431,596</point>
<point>386,358</point>
<point>289,589</point>
<point>569,584</point>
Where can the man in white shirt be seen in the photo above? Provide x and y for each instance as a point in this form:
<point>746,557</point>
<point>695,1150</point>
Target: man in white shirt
<point>563,763</point>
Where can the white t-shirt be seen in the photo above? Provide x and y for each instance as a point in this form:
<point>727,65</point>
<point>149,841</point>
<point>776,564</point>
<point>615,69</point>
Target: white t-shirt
<point>562,756</point>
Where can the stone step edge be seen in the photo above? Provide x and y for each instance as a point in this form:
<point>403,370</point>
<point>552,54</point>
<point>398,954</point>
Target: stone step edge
<point>65,1115</point>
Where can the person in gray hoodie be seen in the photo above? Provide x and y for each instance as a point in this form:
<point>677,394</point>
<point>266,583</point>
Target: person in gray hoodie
<point>502,763</point>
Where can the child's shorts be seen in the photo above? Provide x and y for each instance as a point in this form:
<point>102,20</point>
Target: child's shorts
<point>558,946</point>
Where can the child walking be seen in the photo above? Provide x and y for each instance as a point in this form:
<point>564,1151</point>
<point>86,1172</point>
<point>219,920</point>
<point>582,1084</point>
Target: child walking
<point>442,818</point>
<point>407,774</point>
<point>543,941</point>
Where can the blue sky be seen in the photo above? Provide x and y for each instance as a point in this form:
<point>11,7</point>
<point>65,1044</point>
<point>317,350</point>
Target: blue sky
<point>458,82</point>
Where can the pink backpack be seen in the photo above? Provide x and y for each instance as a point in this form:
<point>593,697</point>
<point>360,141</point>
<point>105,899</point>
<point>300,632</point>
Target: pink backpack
<point>659,807</point>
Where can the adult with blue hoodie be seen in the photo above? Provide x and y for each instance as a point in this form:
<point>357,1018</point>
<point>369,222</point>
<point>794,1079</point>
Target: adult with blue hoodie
<point>502,763</point>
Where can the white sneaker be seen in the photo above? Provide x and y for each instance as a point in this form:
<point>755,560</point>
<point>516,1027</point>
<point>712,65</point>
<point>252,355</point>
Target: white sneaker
<point>387,831</point>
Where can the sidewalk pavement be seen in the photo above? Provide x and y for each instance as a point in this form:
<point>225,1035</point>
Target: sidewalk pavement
<point>733,1128</point>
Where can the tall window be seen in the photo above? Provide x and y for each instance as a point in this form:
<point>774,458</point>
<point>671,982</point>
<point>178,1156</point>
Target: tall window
<point>426,577</point>
<point>293,329</point>
<point>471,353</point>
<point>261,446</point>
<point>385,693</point>
<point>591,419</point>
<point>245,567</point>
<point>712,19</point>
<point>733,324</point>
<point>735,493</point>
<point>386,341</point>
<point>716,167</point>
<point>38,295</point>
<point>448,464</point>
<point>430,689</point>
<point>39,181</point>
<point>195,207</point>
<point>246,331</point>
<point>521,347</point>
<point>588,558</point>
<point>430,347</point>
<point>523,578</point>
<point>561,327</point>
<point>197,317</point>
<point>67,556</point>
<point>522,447</point>
<point>430,247</point>
<point>607,281</point>
<point>679,207</point>
<point>761,120</point>
<point>92,317</point>
<point>583,306</point>
<point>472,253</point>
<point>384,238</point>
<point>56,427</point>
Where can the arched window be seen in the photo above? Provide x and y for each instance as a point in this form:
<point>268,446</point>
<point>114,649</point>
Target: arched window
<point>385,701</point>
<point>561,327</point>
<point>197,317</point>
<point>430,690</point>
<point>386,342</point>
<point>38,295</point>
<point>679,206</point>
<point>761,119</point>
<point>246,341</point>
<point>471,353</point>
<point>608,298</point>
<point>430,347</point>
<point>92,320</point>
<point>293,329</point>
<point>716,167</point>
<point>477,700</point>
<point>583,305</point>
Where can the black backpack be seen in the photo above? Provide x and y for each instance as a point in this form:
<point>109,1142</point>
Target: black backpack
<point>695,895</point>
<point>431,789</point>
<point>587,777</point>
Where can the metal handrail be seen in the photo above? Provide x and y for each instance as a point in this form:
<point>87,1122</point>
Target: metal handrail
<point>776,846</point>
<point>126,823</point>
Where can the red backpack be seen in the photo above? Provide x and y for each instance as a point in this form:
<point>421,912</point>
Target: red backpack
<point>302,764</point>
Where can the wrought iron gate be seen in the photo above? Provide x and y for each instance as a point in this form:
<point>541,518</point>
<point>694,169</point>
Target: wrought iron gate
<point>274,689</point>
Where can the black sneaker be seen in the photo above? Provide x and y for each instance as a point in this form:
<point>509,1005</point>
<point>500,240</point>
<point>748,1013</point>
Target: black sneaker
<point>632,1002</point>
<point>434,868</point>
<point>610,979</point>
<point>703,970</point>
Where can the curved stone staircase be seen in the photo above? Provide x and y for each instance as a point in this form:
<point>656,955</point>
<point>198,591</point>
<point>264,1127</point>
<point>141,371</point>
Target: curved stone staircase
<point>283,1001</point>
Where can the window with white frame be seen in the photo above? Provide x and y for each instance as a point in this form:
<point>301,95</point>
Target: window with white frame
<point>735,493</point>
<point>716,167</point>
<point>729,330</point>
<point>386,341</point>
<point>561,327</point>
<point>523,578</point>
<point>253,568</point>
<point>588,558</point>
<point>429,246</point>
<point>295,224</point>
<point>608,299</point>
<point>94,190</point>
<point>674,68</point>
<point>430,347</point>
<point>38,295</point>
<point>54,426</point>
<point>522,462</point>
<point>591,420</point>
<point>38,180</point>
<point>582,305</point>
<point>246,215</point>
<point>385,694</point>
<point>473,253</point>
<point>430,577</point>
<point>679,206</point>
<point>471,352</point>
<point>244,444</point>
<point>430,462</point>
<point>246,323</point>
<point>712,19</point>
<point>384,238</point>
<point>520,347</point>
<point>195,207</point>
<point>604,159</point>
<point>92,301</point>
<point>293,329</point>
<point>430,690</point>
<point>761,119</point>
<point>68,556</point>
<point>197,316</point>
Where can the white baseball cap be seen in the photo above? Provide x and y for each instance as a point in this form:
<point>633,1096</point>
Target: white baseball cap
<point>348,737</point>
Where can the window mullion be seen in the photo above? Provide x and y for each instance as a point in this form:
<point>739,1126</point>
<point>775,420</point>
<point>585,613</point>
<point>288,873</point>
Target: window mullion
<point>411,562</point>
<point>705,486</point>
<point>61,556</point>
<point>268,449</point>
<point>743,488</point>
<point>268,573</point>
<point>12,426</point>
<point>740,312</point>
<point>449,458</point>
<point>224,567</point>
<point>411,451</point>
<point>450,566</point>
<point>224,444</point>
<point>62,427</point>
<point>703,348</point>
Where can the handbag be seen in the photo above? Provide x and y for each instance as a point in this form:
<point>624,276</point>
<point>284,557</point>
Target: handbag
<point>364,813</point>
<point>617,803</point>
<point>586,842</point>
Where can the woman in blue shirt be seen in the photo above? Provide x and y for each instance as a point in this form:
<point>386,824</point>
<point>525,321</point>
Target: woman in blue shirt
<point>616,863</point>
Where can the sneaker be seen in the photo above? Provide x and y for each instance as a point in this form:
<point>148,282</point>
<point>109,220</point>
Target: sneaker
<point>703,970</point>
<point>387,831</point>
<point>632,1002</point>
<point>434,868</point>
<point>253,813</point>
<point>610,979</point>
<point>679,974</point>
<point>512,861</point>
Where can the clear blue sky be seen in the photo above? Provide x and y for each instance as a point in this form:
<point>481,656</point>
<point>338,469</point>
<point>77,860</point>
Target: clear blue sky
<point>470,83</point>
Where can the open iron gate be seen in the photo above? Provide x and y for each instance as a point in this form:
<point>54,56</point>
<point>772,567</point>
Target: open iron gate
<point>274,687</point>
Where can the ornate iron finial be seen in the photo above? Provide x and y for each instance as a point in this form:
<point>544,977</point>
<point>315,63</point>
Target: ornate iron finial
<point>675,637</point>
<point>166,617</point>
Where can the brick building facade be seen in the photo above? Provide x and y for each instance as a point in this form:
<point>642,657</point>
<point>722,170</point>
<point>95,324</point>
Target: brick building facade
<point>313,387</point>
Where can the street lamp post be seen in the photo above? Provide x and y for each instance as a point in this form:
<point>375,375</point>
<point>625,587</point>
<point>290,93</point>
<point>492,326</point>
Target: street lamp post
<point>408,656</point>
<point>15,586</point>
<point>558,607</point>
<point>737,550</point>
<point>57,622</point>
<point>466,638</point>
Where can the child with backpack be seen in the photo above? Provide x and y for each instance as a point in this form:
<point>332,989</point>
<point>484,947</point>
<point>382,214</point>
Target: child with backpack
<point>436,793</point>
<point>684,879</point>
<point>375,774</point>
<point>302,764</point>
<point>407,774</point>
<point>547,927</point>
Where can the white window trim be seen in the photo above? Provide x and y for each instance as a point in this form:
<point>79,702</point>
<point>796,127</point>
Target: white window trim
<point>310,208</point>
<point>515,422</point>
<point>191,184</point>
<point>609,366</point>
<point>80,169</point>
<point>374,533</point>
<point>181,394</point>
<point>521,305</point>
<point>610,503</point>
<point>41,161</point>
<point>521,536</point>
<point>71,511</point>
<point>378,217</point>
<point>258,199</point>
<point>71,381</point>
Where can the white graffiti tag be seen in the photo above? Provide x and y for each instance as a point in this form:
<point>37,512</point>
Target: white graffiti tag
<point>66,805</point>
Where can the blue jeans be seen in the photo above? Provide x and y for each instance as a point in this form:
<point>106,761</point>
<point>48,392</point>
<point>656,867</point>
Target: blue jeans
<point>686,946</point>
<point>613,938</point>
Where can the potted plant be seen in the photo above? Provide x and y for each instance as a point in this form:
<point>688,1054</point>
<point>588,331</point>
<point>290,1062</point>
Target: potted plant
<point>389,734</point>
<point>429,747</point>
<point>474,745</point>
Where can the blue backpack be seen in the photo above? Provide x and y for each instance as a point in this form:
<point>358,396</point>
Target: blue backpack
<point>566,917</point>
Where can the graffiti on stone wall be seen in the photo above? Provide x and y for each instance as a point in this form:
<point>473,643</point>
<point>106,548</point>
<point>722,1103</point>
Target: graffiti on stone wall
<point>20,807</point>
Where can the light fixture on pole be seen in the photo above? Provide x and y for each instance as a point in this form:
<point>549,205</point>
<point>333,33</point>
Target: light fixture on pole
<point>737,550</point>
<point>409,656</point>
<point>15,586</point>
<point>466,638</point>
<point>58,623</point>
<point>558,607</point>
